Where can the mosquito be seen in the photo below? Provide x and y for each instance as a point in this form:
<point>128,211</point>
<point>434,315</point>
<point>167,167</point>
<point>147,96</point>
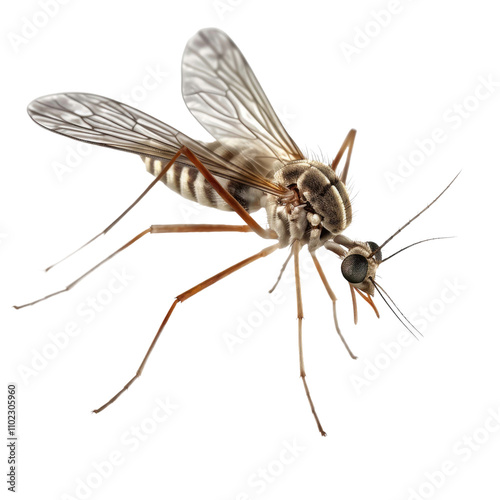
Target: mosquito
<point>252,164</point>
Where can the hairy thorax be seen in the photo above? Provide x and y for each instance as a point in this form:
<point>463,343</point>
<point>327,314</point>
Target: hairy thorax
<point>316,207</point>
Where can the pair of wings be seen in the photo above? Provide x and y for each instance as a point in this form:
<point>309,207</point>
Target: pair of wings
<point>220,90</point>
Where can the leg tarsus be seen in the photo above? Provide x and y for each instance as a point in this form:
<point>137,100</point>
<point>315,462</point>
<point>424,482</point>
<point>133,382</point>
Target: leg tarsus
<point>155,229</point>
<point>72,284</point>
<point>181,298</point>
<point>318,423</point>
<point>53,294</point>
<point>282,271</point>
<point>333,298</point>
<point>123,214</point>
<point>144,361</point>
<point>300,317</point>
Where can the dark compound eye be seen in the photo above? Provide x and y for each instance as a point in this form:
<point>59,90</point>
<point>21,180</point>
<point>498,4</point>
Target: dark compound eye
<point>373,247</point>
<point>354,268</point>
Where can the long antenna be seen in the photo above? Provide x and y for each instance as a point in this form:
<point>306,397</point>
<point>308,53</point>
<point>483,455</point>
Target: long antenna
<point>417,243</point>
<point>413,218</point>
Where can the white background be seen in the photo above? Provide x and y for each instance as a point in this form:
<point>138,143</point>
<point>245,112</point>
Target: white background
<point>235,410</point>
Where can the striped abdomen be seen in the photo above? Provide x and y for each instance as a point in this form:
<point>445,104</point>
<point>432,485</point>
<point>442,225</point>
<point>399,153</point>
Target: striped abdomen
<point>190,184</point>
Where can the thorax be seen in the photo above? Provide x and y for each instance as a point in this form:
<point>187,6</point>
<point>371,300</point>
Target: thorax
<point>316,207</point>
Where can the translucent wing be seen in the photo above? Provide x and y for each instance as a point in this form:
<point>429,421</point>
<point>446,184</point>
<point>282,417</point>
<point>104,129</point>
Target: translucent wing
<point>99,120</point>
<point>222,92</point>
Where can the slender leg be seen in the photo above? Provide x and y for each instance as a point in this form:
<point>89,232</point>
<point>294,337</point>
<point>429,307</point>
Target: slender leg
<point>282,271</point>
<point>354,304</point>
<point>181,298</point>
<point>199,228</point>
<point>334,301</point>
<point>300,317</point>
<point>120,217</point>
<point>347,144</point>
<point>227,197</point>
<point>170,228</point>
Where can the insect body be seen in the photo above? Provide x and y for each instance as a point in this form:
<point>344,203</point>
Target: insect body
<point>252,164</point>
<point>314,208</point>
